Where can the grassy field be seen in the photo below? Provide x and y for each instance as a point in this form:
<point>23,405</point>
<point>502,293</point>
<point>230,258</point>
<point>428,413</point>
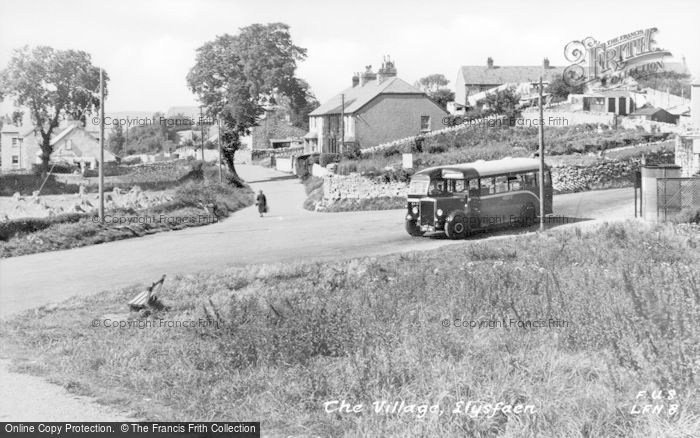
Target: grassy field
<point>275,343</point>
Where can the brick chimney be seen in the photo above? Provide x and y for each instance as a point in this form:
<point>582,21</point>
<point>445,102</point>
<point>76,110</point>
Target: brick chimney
<point>367,76</point>
<point>545,63</point>
<point>489,62</point>
<point>355,79</point>
<point>388,70</point>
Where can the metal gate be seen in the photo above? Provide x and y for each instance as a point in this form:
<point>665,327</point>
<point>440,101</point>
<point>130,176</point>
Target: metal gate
<point>676,194</point>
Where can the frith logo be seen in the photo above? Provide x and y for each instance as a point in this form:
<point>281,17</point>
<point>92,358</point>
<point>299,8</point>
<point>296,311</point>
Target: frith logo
<point>625,55</point>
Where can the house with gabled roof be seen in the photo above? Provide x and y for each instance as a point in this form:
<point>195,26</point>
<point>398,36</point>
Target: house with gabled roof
<point>473,79</point>
<point>378,108</point>
<point>73,143</point>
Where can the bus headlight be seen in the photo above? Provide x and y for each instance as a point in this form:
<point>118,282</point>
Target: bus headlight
<point>414,210</point>
<point>439,211</point>
<point>409,217</point>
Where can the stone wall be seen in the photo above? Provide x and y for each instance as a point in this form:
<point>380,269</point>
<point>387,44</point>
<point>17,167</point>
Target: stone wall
<point>565,178</point>
<point>356,186</point>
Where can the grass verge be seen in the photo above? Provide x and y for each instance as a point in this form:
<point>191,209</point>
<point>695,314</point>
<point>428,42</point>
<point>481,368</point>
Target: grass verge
<point>620,306</point>
<point>194,204</point>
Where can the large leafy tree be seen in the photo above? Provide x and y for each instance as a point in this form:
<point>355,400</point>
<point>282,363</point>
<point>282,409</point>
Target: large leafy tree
<point>236,76</point>
<point>51,84</point>
<point>434,86</point>
<point>505,102</point>
<point>560,89</point>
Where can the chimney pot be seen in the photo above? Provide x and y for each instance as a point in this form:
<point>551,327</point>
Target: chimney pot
<point>355,79</point>
<point>489,62</point>
<point>545,63</point>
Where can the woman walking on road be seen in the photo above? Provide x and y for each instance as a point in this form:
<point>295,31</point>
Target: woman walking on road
<point>261,202</point>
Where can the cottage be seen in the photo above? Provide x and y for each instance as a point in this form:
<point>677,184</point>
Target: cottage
<point>275,131</point>
<point>476,79</point>
<point>378,108</point>
<point>20,147</point>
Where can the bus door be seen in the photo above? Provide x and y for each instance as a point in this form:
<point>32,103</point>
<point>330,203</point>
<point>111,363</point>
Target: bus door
<point>458,199</point>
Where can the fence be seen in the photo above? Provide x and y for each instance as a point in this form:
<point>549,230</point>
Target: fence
<point>676,194</point>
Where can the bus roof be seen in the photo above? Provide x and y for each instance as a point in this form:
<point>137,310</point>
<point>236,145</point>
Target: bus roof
<point>485,168</point>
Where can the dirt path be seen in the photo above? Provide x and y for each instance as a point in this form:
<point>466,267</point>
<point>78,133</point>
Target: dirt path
<point>29,398</point>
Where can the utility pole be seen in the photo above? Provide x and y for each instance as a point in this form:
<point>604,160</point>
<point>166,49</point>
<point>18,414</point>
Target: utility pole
<point>201,132</point>
<point>541,181</point>
<point>342,122</point>
<point>218,141</point>
<point>102,148</point>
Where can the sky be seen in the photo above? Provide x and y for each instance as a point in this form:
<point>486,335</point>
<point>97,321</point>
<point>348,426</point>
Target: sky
<point>148,46</point>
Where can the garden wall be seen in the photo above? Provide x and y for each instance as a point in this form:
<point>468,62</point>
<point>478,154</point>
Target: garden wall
<point>356,186</point>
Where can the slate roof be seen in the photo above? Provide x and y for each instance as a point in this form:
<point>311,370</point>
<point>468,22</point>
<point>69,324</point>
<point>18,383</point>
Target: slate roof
<point>483,75</point>
<point>359,96</point>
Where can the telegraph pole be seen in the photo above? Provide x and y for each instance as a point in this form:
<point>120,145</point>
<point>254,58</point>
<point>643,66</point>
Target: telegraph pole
<point>102,148</point>
<point>342,123</point>
<point>541,181</point>
<point>218,137</point>
<point>201,131</point>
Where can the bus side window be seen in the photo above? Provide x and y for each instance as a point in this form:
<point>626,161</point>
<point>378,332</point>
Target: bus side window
<point>501,184</point>
<point>487,186</point>
<point>513,183</point>
<point>529,180</point>
<point>459,186</point>
<point>473,187</point>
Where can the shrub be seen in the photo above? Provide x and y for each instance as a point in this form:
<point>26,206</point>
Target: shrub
<point>132,161</point>
<point>688,215</point>
<point>25,184</point>
<point>327,158</point>
<point>13,227</point>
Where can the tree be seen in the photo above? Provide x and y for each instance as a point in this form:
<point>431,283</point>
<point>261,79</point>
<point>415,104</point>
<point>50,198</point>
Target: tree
<point>116,139</point>
<point>234,76</point>
<point>560,89</point>
<point>434,86</point>
<point>503,102</point>
<point>52,84</point>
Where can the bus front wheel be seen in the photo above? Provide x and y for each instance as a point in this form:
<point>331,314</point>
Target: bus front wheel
<point>413,229</point>
<point>457,228</point>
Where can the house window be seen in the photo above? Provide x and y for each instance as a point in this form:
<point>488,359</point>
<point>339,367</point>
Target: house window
<point>15,159</point>
<point>16,142</point>
<point>424,123</point>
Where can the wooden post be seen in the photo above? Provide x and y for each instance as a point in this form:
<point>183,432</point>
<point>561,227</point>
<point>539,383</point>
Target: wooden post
<point>101,183</point>
<point>342,123</point>
<point>541,181</point>
<point>218,136</point>
<point>201,133</point>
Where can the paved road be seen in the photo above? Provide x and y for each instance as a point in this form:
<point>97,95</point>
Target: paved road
<point>288,233</point>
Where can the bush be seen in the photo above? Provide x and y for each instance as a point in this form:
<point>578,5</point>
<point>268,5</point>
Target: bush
<point>688,215</point>
<point>327,158</point>
<point>25,184</point>
<point>56,168</point>
<point>13,227</point>
<point>132,161</point>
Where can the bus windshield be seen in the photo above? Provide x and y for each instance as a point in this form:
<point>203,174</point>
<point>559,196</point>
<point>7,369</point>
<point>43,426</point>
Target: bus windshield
<point>418,187</point>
